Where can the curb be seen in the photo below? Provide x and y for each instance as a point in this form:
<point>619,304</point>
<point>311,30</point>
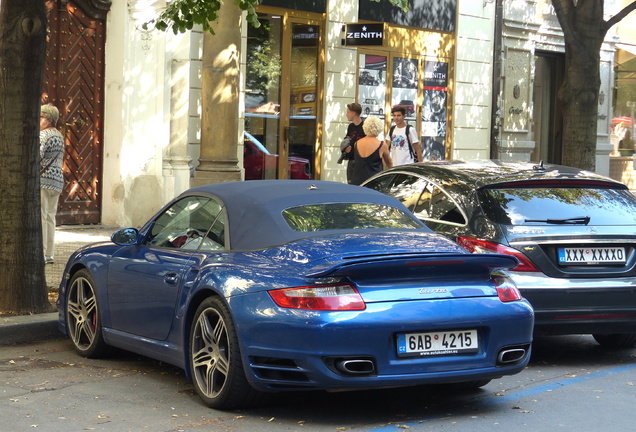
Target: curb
<point>29,328</point>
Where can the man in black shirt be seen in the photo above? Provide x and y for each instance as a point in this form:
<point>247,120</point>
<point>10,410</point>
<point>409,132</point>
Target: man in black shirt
<point>354,133</point>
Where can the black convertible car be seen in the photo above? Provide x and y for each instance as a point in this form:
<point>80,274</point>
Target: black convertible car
<point>573,232</point>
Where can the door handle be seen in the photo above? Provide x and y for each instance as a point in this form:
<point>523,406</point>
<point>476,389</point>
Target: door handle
<point>171,278</point>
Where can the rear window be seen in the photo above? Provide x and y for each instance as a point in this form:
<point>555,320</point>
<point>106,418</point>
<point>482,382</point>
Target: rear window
<point>534,206</point>
<point>348,216</point>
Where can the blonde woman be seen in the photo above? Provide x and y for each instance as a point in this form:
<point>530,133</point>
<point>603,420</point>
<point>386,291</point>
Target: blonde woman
<point>370,152</point>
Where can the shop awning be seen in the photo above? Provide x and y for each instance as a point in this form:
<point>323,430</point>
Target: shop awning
<point>625,61</point>
<point>627,47</point>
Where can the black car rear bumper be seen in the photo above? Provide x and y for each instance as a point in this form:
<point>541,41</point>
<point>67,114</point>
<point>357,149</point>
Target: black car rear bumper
<point>580,306</point>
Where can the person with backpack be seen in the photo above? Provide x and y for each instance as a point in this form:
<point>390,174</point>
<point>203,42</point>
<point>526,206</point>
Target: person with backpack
<point>402,139</point>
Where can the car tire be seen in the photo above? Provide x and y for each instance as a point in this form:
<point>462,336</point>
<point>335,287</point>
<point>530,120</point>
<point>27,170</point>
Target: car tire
<point>215,359</point>
<point>616,341</point>
<point>367,111</point>
<point>83,316</point>
<point>381,111</point>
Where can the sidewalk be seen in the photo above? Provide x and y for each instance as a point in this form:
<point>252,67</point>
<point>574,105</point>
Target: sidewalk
<point>29,328</point>
<point>69,238</point>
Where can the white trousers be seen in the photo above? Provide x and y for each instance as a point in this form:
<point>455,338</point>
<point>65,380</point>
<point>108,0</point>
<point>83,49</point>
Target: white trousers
<point>48,200</point>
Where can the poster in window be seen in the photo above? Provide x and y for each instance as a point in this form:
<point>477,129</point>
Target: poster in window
<point>404,90</point>
<point>372,85</point>
<point>434,110</point>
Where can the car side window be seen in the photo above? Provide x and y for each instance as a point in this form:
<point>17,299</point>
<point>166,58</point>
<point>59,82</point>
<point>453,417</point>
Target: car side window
<point>217,231</point>
<point>193,222</point>
<point>422,207</point>
<point>380,184</point>
<point>444,208</point>
<point>411,190</point>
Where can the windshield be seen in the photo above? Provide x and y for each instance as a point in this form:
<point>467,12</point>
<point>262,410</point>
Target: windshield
<point>348,216</point>
<point>541,206</point>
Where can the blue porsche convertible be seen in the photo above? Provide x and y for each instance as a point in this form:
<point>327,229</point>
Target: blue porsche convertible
<point>263,286</point>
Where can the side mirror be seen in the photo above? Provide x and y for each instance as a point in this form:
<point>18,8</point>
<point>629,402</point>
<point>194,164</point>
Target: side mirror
<point>125,236</point>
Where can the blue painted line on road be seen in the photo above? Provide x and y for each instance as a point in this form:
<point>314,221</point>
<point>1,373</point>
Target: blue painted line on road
<point>564,383</point>
<point>497,400</point>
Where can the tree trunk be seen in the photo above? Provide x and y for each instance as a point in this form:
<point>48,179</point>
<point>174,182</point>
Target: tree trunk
<point>584,30</point>
<point>579,99</point>
<point>22,50</point>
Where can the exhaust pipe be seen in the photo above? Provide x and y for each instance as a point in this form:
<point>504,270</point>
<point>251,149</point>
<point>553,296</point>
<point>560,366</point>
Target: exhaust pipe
<point>355,366</point>
<point>511,355</point>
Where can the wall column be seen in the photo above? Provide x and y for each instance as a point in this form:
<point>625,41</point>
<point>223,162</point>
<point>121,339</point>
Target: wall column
<point>220,75</point>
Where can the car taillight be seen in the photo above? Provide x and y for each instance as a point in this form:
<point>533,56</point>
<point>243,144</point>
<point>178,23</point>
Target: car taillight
<point>322,297</point>
<point>474,245</point>
<point>507,291</point>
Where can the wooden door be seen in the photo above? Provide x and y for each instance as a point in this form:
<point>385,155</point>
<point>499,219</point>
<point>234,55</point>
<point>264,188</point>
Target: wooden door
<point>73,81</point>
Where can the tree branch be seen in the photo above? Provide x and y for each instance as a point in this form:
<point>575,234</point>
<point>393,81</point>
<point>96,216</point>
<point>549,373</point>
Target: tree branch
<point>619,16</point>
<point>565,12</point>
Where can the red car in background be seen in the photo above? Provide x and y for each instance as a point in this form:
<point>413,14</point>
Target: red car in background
<point>408,105</point>
<point>260,164</point>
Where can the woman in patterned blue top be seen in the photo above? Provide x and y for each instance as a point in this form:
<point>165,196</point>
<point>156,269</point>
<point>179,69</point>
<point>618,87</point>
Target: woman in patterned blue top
<point>51,177</point>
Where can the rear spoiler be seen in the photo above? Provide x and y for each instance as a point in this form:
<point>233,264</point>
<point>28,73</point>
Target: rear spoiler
<point>446,263</point>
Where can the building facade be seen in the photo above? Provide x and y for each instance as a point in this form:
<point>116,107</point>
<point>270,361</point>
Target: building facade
<point>533,63</point>
<point>478,80</point>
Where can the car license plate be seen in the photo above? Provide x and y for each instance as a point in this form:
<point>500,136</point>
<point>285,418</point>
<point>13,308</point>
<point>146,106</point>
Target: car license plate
<point>598,255</point>
<point>437,343</point>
